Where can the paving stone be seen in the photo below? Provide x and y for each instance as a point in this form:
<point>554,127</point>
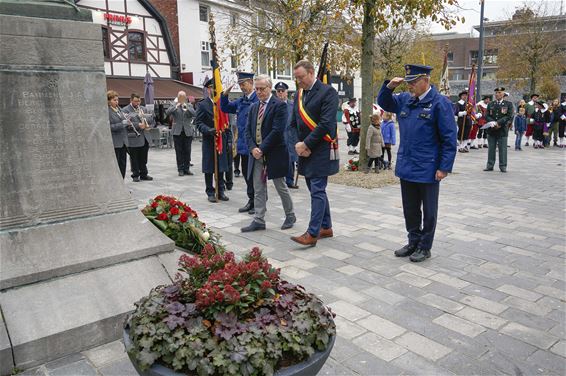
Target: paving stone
<point>527,306</point>
<point>444,291</point>
<point>381,326</point>
<point>549,361</point>
<point>440,302</point>
<point>484,292</point>
<point>484,304</point>
<point>349,295</point>
<point>559,348</point>
<point>535,337</point>
<point>459,325</point>
<point>412,364</point>
<point>464,365</point>
<point>482,318</point>
<point>294,272</point>
<point>384,295</point>
<point>121,367</point>
<point>334,368</point>
<point>498,268</point>
<point>370,247</point>
<point>108,353</point>
<point>348,311</point>
<point>80,368</point>
<point>449,280</point>
<point>511,347</point>
<point>300,263</point>
<point>336,254</point>
<point>519,292</point>
<point>417,270</point>
<point>423,346</point>
<point>412,279</point>
<point>350,269</point>
<point>509,365</point>
<point>348,329</point>
<point>379,346</point>
<point>528,319</point>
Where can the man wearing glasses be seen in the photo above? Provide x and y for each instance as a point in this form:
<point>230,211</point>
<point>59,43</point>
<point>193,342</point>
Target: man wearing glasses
<point>426,153</point>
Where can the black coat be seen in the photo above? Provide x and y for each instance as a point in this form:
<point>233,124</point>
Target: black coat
<point>204,121</point>
<point>321,104</point>
<point>272,138</point>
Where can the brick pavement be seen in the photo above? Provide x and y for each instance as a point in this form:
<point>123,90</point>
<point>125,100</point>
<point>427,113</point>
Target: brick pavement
<point>490,301</point>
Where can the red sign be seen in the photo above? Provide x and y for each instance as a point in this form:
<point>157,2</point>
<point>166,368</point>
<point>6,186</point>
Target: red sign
<point>117,19</point>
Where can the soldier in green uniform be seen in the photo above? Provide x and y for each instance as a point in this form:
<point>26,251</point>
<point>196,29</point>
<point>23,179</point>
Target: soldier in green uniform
<point>499,115</point>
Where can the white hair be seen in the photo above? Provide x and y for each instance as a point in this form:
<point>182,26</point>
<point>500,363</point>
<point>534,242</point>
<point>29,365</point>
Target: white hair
<point>181,93</point>
<point>264,77</point>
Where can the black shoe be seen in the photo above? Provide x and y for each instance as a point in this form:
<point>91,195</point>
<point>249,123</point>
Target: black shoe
<point>249,206</point>
<point>229,187</point>
<point>289,222</point>
<point>223,197</point>
<point>254,226</point>
<point>237,173</point>
<point>147,178</point>
<point>503,169</point>
<point>136,179</point>
<point>188,172</point>
<point>292,186</point>
<point>406,250</point>
<point>488,169</point>
<point>350,152</point>
<point>420,255</point>
<point>191,165</point>
<point>251,211</point>
<point>212,199</point>
<point>181,173</point>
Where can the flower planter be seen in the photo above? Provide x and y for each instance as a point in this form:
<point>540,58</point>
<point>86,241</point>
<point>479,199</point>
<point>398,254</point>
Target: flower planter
<point>309,367</point>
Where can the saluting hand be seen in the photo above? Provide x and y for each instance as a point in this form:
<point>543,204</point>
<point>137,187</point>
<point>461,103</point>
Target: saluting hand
<point>228,90</point>
<point>396,81</point>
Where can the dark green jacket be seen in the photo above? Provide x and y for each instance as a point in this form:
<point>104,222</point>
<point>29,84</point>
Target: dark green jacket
<point>502,114</point>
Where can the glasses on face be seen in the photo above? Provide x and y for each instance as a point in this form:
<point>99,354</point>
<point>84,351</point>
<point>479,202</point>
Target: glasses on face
<point>414,82</point>
<point>260,88</point>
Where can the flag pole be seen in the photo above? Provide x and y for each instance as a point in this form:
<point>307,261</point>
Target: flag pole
<point>216,135</point>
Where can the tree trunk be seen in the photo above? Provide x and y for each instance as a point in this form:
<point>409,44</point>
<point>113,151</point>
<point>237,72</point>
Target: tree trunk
<point>366,109</point>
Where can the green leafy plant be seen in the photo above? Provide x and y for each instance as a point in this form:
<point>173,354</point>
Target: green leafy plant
<point>228,317</point>
<point>180,223</point>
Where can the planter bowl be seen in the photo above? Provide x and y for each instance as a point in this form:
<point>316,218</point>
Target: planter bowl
<point>309,367</point>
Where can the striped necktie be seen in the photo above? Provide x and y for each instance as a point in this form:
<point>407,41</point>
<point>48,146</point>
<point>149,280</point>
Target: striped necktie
<point>260,113</point>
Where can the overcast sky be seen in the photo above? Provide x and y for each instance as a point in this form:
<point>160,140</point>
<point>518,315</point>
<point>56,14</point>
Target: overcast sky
<point>495,10</point>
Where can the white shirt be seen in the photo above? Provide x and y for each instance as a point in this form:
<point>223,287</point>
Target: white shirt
<point>423,95</point>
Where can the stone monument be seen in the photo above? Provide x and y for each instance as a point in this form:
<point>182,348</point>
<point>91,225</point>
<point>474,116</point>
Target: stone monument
<point>75,252</point>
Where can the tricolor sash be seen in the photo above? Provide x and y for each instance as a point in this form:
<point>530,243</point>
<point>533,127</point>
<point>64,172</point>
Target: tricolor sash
<point>312,125</point>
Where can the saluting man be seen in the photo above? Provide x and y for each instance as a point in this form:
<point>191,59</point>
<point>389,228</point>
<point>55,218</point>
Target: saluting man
<point>499,116</point>
<point>426,153</point>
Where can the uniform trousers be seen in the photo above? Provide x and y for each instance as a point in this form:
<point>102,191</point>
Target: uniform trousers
<point>320,207</point>
<point>209,181</point>
<point>464,131</point>
<point>420,224</point>
<point>183,151</point>
<point>353,138</point>
<point>538,132</point>
<point>501,144</point>
<point>260,192</point>
<point>138,160</point>
<point>121,154</point>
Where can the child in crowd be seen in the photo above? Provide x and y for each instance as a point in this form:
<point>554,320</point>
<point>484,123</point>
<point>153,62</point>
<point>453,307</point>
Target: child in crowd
<point>520,126</point>
<point>374,142</point>
<point>388,133</point>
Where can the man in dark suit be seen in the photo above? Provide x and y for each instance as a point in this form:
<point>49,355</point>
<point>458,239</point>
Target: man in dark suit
<point>314,117</point>
<point>269,159</point>
<point>183,132</point>
<point>281,89</point>
<point>139,139</point>
<point>204,121</point>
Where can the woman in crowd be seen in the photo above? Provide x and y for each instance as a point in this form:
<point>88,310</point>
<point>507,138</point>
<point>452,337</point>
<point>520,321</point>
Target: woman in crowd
<point>118,127</point>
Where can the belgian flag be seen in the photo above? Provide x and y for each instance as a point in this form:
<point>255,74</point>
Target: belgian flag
<point>323,72</point>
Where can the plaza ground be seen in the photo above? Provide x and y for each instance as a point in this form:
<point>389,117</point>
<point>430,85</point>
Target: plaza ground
<point>490,301</point>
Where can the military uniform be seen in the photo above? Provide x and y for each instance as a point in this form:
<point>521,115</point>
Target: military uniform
<point>500,114</point>
<point>427,145</point>
<point>530,108</point>
<point>352,122</point>
<point>464,123</point>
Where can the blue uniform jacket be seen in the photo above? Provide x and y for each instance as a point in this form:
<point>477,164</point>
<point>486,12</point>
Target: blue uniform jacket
<point>291,137</point>
<point>427,134</point>
<point>204,121</point>
<point>272,138</point>
<point>241,107</point>
<point>388,132</point>
<point>321,104</point>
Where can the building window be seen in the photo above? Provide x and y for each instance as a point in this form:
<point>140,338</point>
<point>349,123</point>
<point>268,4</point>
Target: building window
<point>450,57</point>
<point>203,13</point>
<point>473,57</point>
<point>489,75</point>
<point>233,20</point>
<point>455,76</point>
<point>234,57</point>
<point>136,46</point>
<point>490,57</point>
<point>263,63</point>
<point>283,69</point>
<point>105,43</point>
<point>205,54</point>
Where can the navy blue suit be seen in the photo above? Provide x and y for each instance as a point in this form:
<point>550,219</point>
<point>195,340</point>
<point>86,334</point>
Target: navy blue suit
<point>272,138</point>
<point>427,144</point>
<point>291,139</point>
<point>204,121</point>
<point>321,103</point>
